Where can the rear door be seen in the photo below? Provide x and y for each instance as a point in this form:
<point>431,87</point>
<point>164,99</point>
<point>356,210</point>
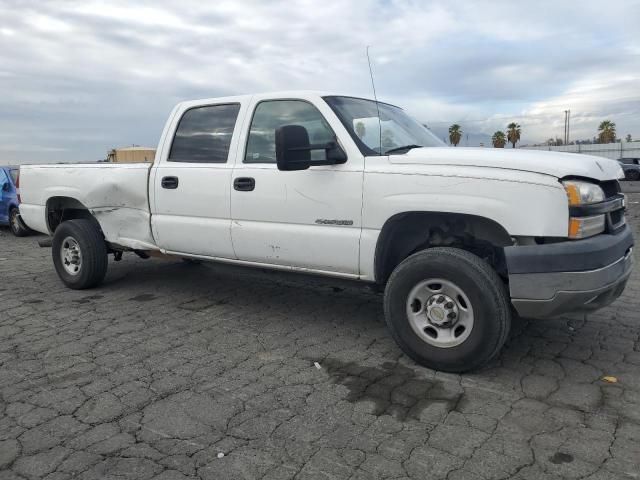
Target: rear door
<point>191,180</point>
<point>310,218</point>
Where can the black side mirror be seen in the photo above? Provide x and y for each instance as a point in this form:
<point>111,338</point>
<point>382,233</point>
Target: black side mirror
<point>5,187</point>
<point>293,150</point>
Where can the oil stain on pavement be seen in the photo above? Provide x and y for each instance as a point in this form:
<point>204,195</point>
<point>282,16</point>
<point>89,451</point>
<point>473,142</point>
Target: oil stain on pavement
<point>391,389</point>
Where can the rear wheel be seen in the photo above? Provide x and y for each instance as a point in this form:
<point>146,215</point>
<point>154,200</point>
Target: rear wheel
<point>79,254</point>
<point>18,228</point>
<point>633,175</point>
<point>447,309</point>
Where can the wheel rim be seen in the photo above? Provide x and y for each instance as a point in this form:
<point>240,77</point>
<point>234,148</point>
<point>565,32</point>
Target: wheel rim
<point>14,221</point>
<point>71,256</point>
<point>440,313</point>
<point>15,226</point>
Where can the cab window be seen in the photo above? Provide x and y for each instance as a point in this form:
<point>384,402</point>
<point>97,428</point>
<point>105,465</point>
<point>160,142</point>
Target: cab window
<point>273,114</point>
<point>204,134</point>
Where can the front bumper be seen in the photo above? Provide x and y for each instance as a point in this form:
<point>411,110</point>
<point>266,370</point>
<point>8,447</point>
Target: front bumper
<point>553,279</point>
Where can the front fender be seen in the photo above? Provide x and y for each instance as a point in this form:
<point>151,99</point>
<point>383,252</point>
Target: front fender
<point>521,208</point>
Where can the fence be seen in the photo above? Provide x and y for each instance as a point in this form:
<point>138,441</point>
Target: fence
<point>607,150</point>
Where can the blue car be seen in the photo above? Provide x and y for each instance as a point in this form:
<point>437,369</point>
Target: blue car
<point>9,203</point>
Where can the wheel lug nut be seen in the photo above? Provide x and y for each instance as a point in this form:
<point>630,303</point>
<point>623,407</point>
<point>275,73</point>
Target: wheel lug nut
<point>451,315</point>
<point>440,299</point>
<point>449,305</point>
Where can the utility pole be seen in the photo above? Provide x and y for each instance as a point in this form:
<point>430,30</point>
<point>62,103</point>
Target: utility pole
<point>568,126</point>
<point>566,117</point>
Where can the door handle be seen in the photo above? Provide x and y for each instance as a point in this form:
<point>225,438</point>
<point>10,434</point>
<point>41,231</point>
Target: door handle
<point>244,184</point>
<point>170,183</point>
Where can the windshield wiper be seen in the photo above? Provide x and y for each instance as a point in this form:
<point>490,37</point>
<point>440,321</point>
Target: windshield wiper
<point>404,147</point>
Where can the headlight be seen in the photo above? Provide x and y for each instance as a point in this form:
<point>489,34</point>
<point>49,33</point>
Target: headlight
<point>584,193</point>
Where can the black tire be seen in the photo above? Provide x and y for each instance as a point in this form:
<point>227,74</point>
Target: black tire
<point>18,228</point>
<point>482,286</point>
<point>633,175</point>
<point>93,250</point>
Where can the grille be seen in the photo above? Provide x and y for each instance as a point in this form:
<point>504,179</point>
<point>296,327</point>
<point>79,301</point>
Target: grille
<point>610,188</point>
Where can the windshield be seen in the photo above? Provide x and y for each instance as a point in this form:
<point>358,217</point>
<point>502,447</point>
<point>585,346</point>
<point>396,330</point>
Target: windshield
<point>360,118</point>
<point>14,175</point>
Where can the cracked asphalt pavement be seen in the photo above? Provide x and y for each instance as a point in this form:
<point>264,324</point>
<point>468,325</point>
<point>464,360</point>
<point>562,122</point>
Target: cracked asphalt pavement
<point>172,371</point>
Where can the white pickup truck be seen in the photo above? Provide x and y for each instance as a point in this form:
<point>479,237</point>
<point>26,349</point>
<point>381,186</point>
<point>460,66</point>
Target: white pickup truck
<point>458,238</point>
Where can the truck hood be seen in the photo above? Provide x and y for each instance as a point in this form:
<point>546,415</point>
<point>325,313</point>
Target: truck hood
<point>556,164</point>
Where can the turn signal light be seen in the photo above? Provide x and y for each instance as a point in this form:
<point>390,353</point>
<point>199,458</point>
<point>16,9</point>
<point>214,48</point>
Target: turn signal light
<point>583,227</point>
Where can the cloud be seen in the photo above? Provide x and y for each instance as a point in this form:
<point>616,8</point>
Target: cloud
<point>79,77</point>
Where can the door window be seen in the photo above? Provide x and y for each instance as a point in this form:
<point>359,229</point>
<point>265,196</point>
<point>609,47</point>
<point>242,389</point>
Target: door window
<point>204,134</point>
<point>272,114</point>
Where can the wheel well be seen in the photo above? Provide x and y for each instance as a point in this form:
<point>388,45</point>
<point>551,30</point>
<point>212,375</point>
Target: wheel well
<point>407,233</point>
<point>60,209</point>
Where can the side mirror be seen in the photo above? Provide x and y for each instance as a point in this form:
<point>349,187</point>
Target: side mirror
<point>6,187</point>
<point>293,150</point>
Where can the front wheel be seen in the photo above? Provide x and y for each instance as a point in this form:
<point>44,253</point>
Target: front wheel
<point>18,228</point>
<point>79,254</point>
<point>447,309</point>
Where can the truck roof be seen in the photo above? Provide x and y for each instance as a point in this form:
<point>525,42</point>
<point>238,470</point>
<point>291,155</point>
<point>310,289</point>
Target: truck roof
<point>276,94</point>
<point>282,94</point>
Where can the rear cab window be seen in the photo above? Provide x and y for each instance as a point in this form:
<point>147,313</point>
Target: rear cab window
<point>204,134</point>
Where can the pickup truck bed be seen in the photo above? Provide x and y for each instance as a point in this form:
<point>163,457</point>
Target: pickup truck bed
<point>115,194</point>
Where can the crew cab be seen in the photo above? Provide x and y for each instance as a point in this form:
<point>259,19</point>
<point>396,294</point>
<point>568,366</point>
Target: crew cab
<point>457,238</point>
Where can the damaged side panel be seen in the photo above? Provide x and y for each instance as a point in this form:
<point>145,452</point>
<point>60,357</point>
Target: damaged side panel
<point>115,194</point>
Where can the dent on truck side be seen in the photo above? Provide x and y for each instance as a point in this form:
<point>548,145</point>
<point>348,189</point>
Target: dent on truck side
<point>115,195</point>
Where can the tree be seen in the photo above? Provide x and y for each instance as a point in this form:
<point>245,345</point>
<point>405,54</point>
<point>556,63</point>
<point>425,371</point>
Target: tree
<point>513,133</point>
<point>628,138</point>
<point>455,134</point>
<point>499,139</point>
<point>607,132</point>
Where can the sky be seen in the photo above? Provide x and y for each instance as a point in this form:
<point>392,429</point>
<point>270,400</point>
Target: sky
<point>80,77</point>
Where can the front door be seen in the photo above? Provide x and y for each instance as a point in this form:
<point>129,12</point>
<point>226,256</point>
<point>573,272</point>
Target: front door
<point>310,219</point>
<point>190,209</point>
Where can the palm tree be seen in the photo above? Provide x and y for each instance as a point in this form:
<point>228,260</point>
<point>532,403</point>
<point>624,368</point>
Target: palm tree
<point>513,133</point>
<point>607,132</point>
<point>499,139</point>
<point>455,134</point>
<point>628,138</point>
